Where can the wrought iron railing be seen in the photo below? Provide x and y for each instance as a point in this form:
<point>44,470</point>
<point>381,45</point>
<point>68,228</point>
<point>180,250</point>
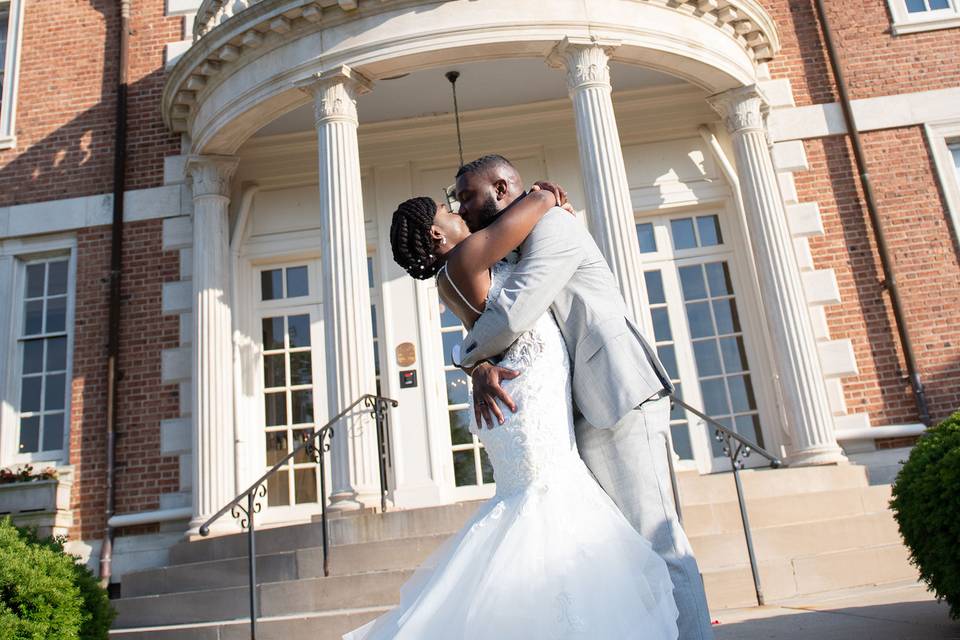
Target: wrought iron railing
<point>736,448</point>
<point>247,504</point>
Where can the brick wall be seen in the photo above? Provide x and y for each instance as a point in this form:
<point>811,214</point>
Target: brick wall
<point>875,61</point>
<point>142,474</point>
<point>67,100</point>
<point>925,264</point>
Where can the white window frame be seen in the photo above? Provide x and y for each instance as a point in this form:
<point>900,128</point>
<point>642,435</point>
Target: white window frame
<point>905,22</point>
<point>941,136</point>
<point>8,91</point>
<point>15,255</point>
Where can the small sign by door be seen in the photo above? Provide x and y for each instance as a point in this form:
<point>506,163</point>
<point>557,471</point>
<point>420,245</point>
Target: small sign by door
<point>408,378</point>
<point>406,354</point>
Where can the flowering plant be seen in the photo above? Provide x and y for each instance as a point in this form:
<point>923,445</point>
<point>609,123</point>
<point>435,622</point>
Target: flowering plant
<point>26,473</point>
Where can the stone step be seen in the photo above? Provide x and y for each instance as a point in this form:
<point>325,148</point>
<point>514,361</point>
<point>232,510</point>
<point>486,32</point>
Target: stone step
<point>719,550</point>
<point>781,579</point>
<point>768,483</point>
<point>403,553</point>
<point>326,625</point>
<point>289,597</point>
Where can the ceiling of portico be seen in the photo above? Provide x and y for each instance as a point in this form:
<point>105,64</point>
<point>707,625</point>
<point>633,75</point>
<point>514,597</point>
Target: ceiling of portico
<point>482,85</point>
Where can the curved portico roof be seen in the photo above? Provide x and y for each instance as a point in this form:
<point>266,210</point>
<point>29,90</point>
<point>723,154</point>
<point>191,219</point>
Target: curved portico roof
<point>248,55</point>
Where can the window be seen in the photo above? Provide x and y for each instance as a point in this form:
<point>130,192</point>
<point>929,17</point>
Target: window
<point>955,152</point>
<point>695,314</point>
<point>10,23</point>
<point>43,371</point>
<point>378,367</point>
<point>471,466</point>
<point>910,16</point>
<point>944,141</point>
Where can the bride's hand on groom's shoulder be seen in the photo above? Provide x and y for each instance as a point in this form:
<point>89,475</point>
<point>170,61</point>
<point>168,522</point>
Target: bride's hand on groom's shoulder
<point>556,190</point>
<point>487,378</point>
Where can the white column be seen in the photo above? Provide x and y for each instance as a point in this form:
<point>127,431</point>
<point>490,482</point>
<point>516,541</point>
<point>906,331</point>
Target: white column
<point>213,435</point>
<point>601,161</point>
<point>346,298</point>
<point>810,421</point>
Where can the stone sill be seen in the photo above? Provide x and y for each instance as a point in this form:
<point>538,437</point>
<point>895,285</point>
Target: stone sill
<point>37,496</point>
<point>8,142</point>
<point>930,24</point>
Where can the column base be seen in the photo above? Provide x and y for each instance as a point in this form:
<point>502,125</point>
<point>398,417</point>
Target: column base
<point>354,501</point>
<point>816,457</point>
<point>224,526</point>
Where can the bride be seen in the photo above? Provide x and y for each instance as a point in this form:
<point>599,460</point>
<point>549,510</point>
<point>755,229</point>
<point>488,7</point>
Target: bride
<point>550,555</point>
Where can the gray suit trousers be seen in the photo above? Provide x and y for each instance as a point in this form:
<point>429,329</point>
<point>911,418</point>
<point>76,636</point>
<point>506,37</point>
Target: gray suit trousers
<point>629,461</point>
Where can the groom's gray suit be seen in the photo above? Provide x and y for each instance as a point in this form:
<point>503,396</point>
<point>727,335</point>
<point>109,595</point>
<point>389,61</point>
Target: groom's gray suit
<point>621,426</point>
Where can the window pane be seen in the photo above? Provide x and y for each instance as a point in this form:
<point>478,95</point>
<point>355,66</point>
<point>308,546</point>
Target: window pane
<point>464,468</point>
<point>299,328</point>
<point>734,354</point>
<point>29,434</point>
<point>30,394</point>
<point>707,357</point>
<point>718,275</point>
<point>460,427</point>
<point>447,317</point>
<point>57,278</point>
<point>276,446</point>
<point>725,312</point>
<point>709,228</point>
<point>749,427</point>
<point>275,408</point>
<point>691,281</point>
<point>668,357</point>
<point>370,281</point>
<point>305,485</point>
<point>302,406</point>
<point>274,371</point>
<point>955,149</point>
<point>648,243</point>
<point>53,432</point>
<point>297,282</point>
<point>278,489</point>
<point>698,316</point>
<point>299,437</point>
<point>56,314</point>
<point>916,6</point>
<point>485,467</point>
<point>654,281</point>
<point>54,392</point>
<point>33,319</point>
<point>682,231</point>
<point>458,387</point>
<point>676,411</point>
<point>271,284</point>
<point>373,320</point>
<point>939,4</point>
<point>272,333</point>
<point>376,360</point>
<point>741,394</point>
<point>714,397</point>
<point>661,325</point>
<point>301,367</point>
<point>35,273</point>
<point>56,354</point>
<point>680,434</point>
<point>33,356</point>
<point>450,340</point>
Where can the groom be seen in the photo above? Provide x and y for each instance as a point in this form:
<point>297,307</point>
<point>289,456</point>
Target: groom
<point>622,414</point>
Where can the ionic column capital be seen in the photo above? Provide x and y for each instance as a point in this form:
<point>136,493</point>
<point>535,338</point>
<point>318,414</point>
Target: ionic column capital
<point>211,175</point>
<point>335,93</point>
<point>742,109</point>
<point>586,60</point>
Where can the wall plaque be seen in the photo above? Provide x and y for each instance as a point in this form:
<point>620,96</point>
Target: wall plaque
<point>406,354</point>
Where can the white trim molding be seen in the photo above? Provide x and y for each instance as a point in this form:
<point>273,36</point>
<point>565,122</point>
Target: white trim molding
<point>11,65</point>
<point>905,22</point>
<point>941,136</point>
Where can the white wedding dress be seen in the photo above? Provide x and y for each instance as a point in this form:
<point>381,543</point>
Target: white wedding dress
<point>549,556</point>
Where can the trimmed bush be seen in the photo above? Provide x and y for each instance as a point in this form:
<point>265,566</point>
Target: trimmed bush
<point>45,594</point>
<point>926,505</point>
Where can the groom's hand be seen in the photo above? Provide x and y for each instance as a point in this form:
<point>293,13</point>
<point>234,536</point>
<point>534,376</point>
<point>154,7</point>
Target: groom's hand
<point>487,390</point>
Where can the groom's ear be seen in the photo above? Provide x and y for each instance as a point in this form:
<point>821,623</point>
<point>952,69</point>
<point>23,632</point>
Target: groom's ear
<point>501,187</point>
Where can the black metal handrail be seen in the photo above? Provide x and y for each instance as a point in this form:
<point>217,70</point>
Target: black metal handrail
<point>736,448</point>
<point>315,446</point>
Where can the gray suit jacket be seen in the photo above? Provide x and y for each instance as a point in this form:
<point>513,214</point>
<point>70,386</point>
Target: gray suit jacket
<point>561,269</point>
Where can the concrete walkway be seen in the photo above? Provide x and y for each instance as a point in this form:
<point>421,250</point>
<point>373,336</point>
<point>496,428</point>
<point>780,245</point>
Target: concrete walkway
<point>902,611</point>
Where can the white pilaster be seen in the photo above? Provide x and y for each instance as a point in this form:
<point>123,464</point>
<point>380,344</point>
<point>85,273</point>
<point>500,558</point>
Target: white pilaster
<point>795,351</point>
<point>346,298</point>
<point>612,223</point>
<point>213,436</point>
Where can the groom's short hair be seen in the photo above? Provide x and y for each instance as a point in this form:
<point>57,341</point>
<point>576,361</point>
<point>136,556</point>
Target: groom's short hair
<point>486,163</point>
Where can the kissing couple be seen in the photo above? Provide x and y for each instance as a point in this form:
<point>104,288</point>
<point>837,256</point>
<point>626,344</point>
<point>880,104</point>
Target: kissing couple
<point>581,540</point>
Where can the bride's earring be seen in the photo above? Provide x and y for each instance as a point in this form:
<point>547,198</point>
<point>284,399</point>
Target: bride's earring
<point>443,240</point>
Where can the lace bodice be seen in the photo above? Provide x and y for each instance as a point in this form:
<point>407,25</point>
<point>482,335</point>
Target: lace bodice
<point>537,442</point>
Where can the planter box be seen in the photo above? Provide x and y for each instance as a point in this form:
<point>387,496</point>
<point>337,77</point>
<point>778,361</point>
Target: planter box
<point>44,504</point>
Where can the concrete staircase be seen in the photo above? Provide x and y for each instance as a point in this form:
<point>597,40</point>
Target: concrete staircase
<point>815,529</point>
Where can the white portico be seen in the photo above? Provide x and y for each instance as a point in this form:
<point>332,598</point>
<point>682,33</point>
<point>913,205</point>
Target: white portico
<point>318,117</point>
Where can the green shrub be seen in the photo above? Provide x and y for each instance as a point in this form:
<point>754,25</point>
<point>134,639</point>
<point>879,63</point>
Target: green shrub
<point>45,594</point>
<point>926,504</point>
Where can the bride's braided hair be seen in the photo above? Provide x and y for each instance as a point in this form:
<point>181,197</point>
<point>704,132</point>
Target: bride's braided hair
<point>410,237</point>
